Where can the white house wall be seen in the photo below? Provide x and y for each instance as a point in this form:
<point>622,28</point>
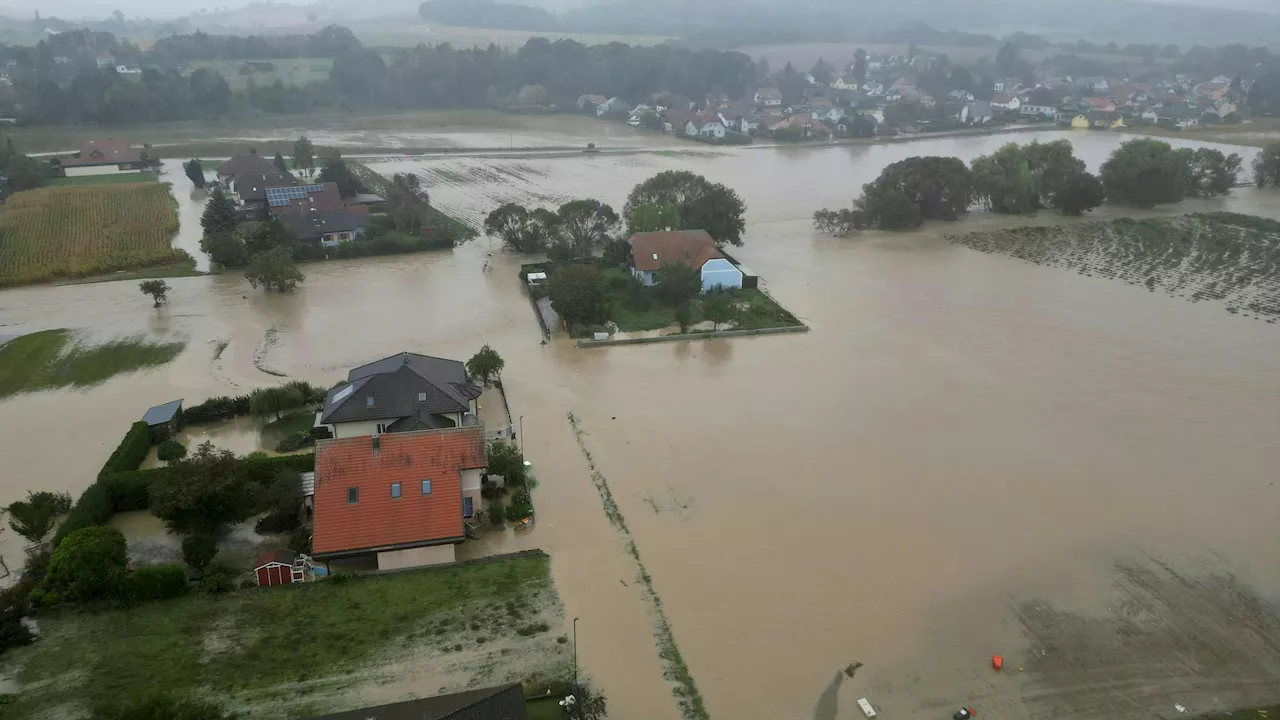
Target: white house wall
<point>720,273</point>
<point>359,429</point>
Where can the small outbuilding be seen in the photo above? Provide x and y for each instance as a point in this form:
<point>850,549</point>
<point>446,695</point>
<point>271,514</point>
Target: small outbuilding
<point>275,567</point>
<point>168,416</point>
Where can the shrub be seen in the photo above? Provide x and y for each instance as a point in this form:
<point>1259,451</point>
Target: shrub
<point>217,408</point>
<point>300,540</point>
<point>131,451</point>
<point>88,564</point>
<point>156,582</point>
<point>171,450</point>
<point>520,508</point>
<point>131,490</point>
<point>33,518</point>
<point>198,550</point>
<point>496,512</point>
<point>504,459</point>
<point>218,578</point>
<point>296,441</point>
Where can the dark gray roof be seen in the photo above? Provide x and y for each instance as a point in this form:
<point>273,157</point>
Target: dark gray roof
<point>312,225</point>
<point>365,199</point>
<point>496,703</point>
<point>396,383</point>
<point>253,186</point>
<point>162,414</point>
<point>247,164</point>
<point>421,420</point>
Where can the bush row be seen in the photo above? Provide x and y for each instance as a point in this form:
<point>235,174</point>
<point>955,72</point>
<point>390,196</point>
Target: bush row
<point>131,451</point>
<point>216,408</point>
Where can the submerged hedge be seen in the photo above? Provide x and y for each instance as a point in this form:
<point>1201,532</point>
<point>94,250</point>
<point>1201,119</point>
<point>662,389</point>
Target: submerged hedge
<point>131,451</point>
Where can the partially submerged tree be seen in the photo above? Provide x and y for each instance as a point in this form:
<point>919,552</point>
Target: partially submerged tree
<point>33,518</point>
<point>304,154</point>
<point>1079,194</point>
<point>220,213</point>
<point>485,365</point>
<point>586,225</point>
<point>1266,167</point>
<point>225,248</point>
<point>521,230</point>
<point>202,492</point>
<point>274,270</point>
<point>1209,172</point>
<point>275,401</point>
<point>157,289</point>
<point>702,205</point>
<point>1145,172</point>
<point>195,172</point>
<point>907,193</point>
<point>577,294</point>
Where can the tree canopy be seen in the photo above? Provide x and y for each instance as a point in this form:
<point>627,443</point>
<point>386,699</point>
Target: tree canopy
<point>702,205</point>
<point>335,170</point>
<point>157,289</point>
<point>202,492</point>
<point>407,199</point>
<point>577,294</point>
<point>586,224</point>
<point>194,172</point>
<point>1145,172</point>
<point>941,188</point>
<point>88,564</point>
<point>1266,167</point>
<point>274,270</point>
<point>1024,178</point>
<point>485,365</point>
<point>522,230</point>
<point>220,213</point>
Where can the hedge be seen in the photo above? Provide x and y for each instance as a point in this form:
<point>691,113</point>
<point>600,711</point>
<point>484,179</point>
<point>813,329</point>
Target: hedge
<point>131,451</point>
<point>156,582</point>
<point>216,408</point>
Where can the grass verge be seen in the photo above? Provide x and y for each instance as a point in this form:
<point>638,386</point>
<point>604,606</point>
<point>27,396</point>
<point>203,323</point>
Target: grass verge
<point>54,358</point>
<point>280,644</point>
<point>289,424</point>
<point>544,709</point>
<point>118,179</point>
<point>674,668</point>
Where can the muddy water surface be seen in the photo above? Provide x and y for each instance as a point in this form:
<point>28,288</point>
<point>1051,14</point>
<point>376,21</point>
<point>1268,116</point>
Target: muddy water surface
<point>960,433</point>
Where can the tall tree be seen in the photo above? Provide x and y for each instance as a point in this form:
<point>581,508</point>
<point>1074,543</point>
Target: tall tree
<point>335,170</point>
<point>304,154</point>
<point>703,205</point>
<point>1145,172</point>
<point>202,492</point>
<point>577,294</point>
<point>860,66</point>
<point>822,73</point>
<point>279,162</point>
<point>157,289</point>
<point>1078,194</point>
<point>195,172</point>
<point>274,270</point>
<point>653,217</point>
<point>1266,166</point>
<point>485,365</point>
<point>1209,172</point>
<point>587,224</point>
<point>677,283</point>
<point>407,199</point>
<point>521,230</point>
<point>220,213</point>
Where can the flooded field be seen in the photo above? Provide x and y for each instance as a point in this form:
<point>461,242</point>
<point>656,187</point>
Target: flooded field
<point>967,455</point>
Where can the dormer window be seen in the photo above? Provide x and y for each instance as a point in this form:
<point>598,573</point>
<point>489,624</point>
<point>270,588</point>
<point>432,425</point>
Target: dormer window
<point>368,401</point>
<point>422,397</point>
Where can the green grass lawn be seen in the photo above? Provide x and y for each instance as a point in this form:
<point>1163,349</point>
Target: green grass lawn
<point>545,709</point>
<point>54,358</point>
<point>289,424</point>
<point>278,642</point>
<point>756,310</point>
<point>103,179</point>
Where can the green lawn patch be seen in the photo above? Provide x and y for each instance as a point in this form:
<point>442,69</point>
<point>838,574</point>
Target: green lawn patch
<point>283,642</point>
<point>545,709</point>
<point>55,358</point>
<point>118,179</point>
<point>289,424</point>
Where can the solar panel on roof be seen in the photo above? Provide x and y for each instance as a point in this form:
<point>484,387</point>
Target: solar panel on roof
<point>280,196</point>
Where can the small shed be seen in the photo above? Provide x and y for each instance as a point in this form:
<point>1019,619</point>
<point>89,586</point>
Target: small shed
<point>167,416</point>
<point>274,567</point>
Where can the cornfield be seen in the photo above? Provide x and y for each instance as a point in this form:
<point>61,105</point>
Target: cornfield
<point>60,232</point>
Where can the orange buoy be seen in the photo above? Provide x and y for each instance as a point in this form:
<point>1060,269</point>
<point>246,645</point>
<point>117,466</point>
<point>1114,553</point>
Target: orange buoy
<point>997,662</point>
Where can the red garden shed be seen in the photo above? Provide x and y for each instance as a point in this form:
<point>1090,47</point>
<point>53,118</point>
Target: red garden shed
<point>275,567</point>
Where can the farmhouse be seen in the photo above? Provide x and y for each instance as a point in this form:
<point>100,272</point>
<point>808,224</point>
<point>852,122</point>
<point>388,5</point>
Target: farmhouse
<point>111,156</point>
<point>251,190</point>
<point>400,498</point>
<point>244,164</point>
<point>326,228</point>
<point>695,248</point>
<point>404,392</point>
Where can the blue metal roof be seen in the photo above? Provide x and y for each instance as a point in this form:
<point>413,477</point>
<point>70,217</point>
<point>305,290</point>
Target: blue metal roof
<point>162,414</point>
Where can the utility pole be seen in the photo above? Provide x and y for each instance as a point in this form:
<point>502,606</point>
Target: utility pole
<point>576,693</point>
<point>522,438</point>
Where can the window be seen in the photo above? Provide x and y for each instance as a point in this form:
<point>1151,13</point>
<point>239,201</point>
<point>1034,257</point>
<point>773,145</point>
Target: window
<point>422,397</point>
<point>466,507</point>
<point>368,401</point>
<point>395,490</point>
<point>382,428</point>
<point>353,495</point>
<point>426,487</point>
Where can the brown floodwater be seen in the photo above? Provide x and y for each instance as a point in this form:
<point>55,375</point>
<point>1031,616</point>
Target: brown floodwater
<point>959,431</point>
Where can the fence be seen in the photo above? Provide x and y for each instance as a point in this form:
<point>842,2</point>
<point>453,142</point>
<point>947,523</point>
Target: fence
<point>694,336</point>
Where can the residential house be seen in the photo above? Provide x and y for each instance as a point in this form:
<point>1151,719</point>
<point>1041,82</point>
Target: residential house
<point>106,60</point>
<point>768,97</point>
<point>797,109</point>
<point>1008,85</point>
<point>1007,101</point>
<point>496,703</point>
<point>397,498</point>
<point>112,156</point>
<point>1150,115</point>
<point>1101,104</point>
<point>873,88</point>
<point>833,115</point>
<point>244,164</point>
<point>1106,120</point>
<point>1186,122</point>
<point>404,392</point>
<point>1046,111</point>
<point>128,70</point>
<point>695,248</point>
<point>613,103</point>
<point>288,199</point>
<point>707,125</point>
<point>1080,122</point>
<point>251,191</point>
<point>326,228</point>
<point>1224,107</point>
<point>847,82</point>
<point>677,119</point>
<point>975,113</point>
<point>590,102</point>
<point>961,95</point>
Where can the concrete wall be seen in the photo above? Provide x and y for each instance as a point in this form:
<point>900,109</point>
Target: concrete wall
<point>471,489</point>
<point>96,170</point>
<point>416,557</point>
<point>358,429</point>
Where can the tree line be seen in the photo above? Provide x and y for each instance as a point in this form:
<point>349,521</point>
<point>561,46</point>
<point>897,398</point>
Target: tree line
<point>1025,178</point>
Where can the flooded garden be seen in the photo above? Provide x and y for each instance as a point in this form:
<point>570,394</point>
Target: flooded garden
<point>951,464</point>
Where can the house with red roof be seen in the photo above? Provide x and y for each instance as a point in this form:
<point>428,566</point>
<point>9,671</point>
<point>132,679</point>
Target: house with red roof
<point>695,248</point>
<point>401,499</point>
<point>111,156</point>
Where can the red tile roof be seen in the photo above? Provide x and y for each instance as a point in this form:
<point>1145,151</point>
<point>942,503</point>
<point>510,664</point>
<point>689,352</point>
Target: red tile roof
<point>691,247</point>
<point>111,151</point>
<point>378,521</point>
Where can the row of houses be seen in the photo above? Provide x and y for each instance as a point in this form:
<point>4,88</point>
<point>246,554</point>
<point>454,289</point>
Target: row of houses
<point>316,213</point>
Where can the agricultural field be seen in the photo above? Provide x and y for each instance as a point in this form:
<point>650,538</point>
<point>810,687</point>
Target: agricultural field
<point>409,31</point>
<point>117,179</point>
<point>71,232</point>
<point>1224,257</point>
<point>290,71</point>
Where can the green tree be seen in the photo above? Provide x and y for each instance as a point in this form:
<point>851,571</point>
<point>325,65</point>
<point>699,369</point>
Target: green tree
<point>274,270</point>
<point>1078,194</point>
<point>1209,172</point>
<point>653,217</point>
<point>304,154</point>
<point>279,162</point>
<point>202,492</point>
<point>941,188</point>
<point>407,199</point>
<point>520,229</point>
<point>260,236</point>
<point>1006,182</point>
<point>1266,166</point>
<point>33,518</point>
<point>198,550</point>
<point>703,205</point>
<point>26,173</point>
<point>504,460</point>
<point>649,120</point>
<point>1145,172</point>
<point>897,211</point>
<point>719,308</point>
<point>157,289</point>
<point>586,224</point>
<point>684,315</point>
<point>822,73</point>
<point>220,213</point>
<point>282,501</point>
<point>89,564</point>
<point>225,249</point>
<point>275,401</point>
<point>860,66</point>
<point>677,283</point>
<point>577,294</point>
<point>485,365</point>
<point>335,170</point>
<point>195,172</point>
<point>588,704</point>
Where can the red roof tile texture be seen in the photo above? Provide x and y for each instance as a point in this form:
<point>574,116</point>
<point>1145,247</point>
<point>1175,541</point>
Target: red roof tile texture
<point>692,247</point>
<point>377,520</point>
